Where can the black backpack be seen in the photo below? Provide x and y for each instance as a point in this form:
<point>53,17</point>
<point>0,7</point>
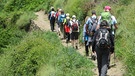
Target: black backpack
<point>103,39</point>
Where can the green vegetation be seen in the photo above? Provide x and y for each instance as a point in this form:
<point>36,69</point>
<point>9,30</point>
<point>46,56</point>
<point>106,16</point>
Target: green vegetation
<point>40,50</point>
<point>41,53</point>
<point>31,53</point>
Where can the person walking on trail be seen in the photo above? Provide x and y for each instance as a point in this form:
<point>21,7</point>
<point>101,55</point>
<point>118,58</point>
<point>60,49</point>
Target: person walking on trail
<point>58,12</point>
<point>85,39</point>
<point>74,32</point>
<point>101,45</point>
<point>61,18</point>
<point>90,28</point>
<point>112,23</point>
<point>52,19</point>
<point>67,27</point>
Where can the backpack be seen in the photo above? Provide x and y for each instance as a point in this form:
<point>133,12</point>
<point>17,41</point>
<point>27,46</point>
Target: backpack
<point>103,39</point>
<point>67,21</point>
<point>67,25</point>
<point>94,25</point>
<point>106,16</point>
<point>52,16</point>
<point>74,26</point>
<point>62,17</point>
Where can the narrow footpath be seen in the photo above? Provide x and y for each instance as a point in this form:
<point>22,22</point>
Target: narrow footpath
<point>117,68</point>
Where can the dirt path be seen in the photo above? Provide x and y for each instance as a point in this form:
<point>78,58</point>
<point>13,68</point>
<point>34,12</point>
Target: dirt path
<point>43,23</point>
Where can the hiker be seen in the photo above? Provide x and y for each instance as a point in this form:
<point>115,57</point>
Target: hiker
<point>57,22</point>
<point>52,19</point>
<point>90,28</point>
<point>61,18</point>
<point>111,20</point>
<point>85,39</point>
<point>101,45</point>
<point>67,27</point>
<point>74,32</point>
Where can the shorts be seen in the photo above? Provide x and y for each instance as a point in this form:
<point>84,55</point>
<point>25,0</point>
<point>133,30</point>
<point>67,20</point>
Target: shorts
<point>74,35</point>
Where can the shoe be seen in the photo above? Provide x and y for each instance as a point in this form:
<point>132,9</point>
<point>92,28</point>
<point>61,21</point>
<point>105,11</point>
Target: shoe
<point>108,66</point>
<point>87,54</point>
<point>93,57</point>
<point>76,47</point>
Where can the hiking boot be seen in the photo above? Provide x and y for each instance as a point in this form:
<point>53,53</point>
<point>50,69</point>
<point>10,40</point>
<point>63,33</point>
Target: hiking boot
<point>67,41</point>
<point>87,54</point>
<point>108,66</point>
<point>76,47</point>
<point>93,57</point>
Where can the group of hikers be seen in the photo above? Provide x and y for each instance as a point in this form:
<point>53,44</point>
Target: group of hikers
<point>98,34</point>
<point>68,28</point>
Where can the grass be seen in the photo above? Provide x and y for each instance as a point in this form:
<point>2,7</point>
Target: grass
<point>21,52</point>
<point>43,50</point>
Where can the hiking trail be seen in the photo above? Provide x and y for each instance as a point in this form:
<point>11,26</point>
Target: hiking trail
<point>43,23</point>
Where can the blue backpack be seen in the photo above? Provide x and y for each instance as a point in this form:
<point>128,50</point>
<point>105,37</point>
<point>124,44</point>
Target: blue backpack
<point>62,17</point>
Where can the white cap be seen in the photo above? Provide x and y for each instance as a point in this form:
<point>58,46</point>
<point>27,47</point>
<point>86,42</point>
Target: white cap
<point>67,14</point>
<point>60,9</point>
<point>73,16</point>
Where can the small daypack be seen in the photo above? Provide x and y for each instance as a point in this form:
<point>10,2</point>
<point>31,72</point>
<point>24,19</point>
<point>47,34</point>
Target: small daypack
<point>52,17</point>
<point>94,25</point>
<point>62,17</point>
<point>67,25</point>
<point>103,39</point>
<point>74,26</point>
<point>91,27</point>
<point>106,16</point>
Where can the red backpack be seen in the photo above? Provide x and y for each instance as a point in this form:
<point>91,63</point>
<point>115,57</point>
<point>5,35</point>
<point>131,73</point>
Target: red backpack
<point>74,26</point>
<point>66,26</point>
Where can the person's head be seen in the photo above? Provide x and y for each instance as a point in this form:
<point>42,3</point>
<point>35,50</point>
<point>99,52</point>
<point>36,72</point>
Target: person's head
<point>52,9</point>
<point>62,12</point>
<point>58,9</point>
<point>107,8</point>
<point>73,17</point>
<point>93,12</point>
<point>67,14</point>
<point>104,23</point>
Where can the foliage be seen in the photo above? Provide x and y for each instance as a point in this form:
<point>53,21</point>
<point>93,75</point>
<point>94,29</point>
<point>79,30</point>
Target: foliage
<point>74,7</point>
<point>24,20</point>
<point>30,57</point>
<point>125,37</point>
<point>39,50</point>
